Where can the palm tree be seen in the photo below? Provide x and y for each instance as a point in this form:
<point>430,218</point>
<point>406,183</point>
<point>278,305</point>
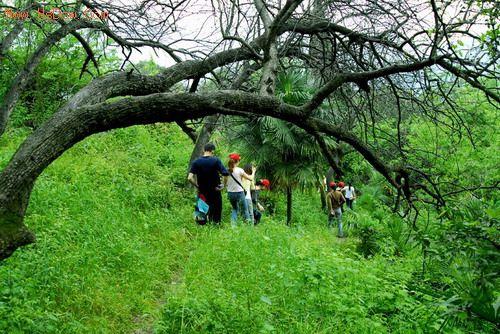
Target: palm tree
<point>286,154</point>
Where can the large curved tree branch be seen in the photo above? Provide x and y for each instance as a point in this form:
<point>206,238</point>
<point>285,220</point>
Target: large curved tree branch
<point>361,78</point>
<point>65,129</point>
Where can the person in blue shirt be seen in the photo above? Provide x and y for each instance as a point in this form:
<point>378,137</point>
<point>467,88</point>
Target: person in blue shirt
<point>205,174</point>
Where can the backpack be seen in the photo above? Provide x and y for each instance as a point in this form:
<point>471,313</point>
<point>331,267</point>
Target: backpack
<point>200,210</point>
<point>336,201</point>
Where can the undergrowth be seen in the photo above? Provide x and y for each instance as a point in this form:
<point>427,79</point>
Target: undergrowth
<point>117,252</point>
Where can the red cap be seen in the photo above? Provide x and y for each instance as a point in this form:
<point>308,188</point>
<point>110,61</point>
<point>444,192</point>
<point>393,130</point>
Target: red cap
<point>332,184</point>
<point>265,183</point>
<point>341,184</point>
<point>235,156</point>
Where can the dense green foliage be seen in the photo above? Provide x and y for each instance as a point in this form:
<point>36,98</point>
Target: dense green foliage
<point>117,251</point>
<point>57,77</point>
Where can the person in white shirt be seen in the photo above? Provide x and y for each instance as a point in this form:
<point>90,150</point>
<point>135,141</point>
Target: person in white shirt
<point>235,190</point>
<point>349,194</point>
<point>248,185</point>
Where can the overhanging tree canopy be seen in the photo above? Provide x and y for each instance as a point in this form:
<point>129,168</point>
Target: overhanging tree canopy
<point>358,49</point>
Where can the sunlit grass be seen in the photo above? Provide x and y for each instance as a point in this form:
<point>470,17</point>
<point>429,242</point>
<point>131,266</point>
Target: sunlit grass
<point>118,252</point>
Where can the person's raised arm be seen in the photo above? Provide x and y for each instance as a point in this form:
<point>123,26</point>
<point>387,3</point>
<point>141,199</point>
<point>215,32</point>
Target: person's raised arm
<point>192,179</point>
<point>223,171</point>
<point>246,176</point>
<point>250,177</point>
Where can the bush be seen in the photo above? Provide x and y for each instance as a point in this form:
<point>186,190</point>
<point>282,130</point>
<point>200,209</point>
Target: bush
<point>368,244</point>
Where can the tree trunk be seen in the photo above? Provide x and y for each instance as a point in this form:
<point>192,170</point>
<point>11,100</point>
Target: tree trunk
<point>9,39</point>
<point>23,77</point>
<point>203,137</point>
<point>322,196</point>
<point>210,122</point>
<point>13,233</point>
<point>289,206</point>
<point>269,72</point>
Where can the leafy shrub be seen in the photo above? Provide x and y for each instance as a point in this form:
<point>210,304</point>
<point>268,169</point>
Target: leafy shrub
<point>368,244</point>
<point>465,256</point>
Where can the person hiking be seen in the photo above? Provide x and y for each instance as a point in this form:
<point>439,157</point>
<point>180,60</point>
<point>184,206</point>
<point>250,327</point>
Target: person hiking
<point>247,185</point>
<point>204,174</point>
<point>350,194</point>
<point>335,199</point>
<point>257,207</point>
<point>341,186</point>
<point>235,190</point>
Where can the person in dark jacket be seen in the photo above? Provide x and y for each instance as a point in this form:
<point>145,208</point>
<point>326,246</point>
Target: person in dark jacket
<point>205,174</point>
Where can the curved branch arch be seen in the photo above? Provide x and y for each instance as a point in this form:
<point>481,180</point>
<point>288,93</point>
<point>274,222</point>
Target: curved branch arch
<point>65,129</point>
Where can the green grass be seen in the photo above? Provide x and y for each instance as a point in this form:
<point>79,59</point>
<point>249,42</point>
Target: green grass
<point>276,279</point>
<point>117,252</point>
<point>110,235</point>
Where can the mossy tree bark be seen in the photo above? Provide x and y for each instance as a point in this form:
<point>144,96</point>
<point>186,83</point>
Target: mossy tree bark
<point>13,232</point>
